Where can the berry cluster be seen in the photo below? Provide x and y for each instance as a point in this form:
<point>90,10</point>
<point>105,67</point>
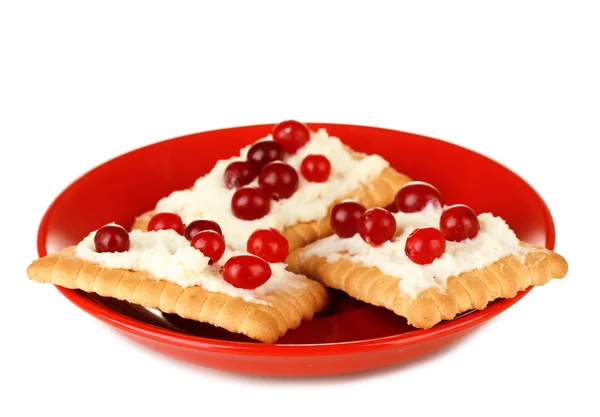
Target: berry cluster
<point>425,244</point>
<point>276,179</point>
<point>249,271</point>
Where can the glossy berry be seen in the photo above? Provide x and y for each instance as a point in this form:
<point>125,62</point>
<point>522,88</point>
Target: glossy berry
<point>269,244</point>
<point>246,271</point>
<point>111,238</point>
<point>238,174</point>
<point>263,152</point>
<point>250,203</point>
<point>415,195</point>
<point>279,180</point>
<point>377,226</point>
<point>291,135</point>
<point>198,226</point>
<point>316,168</point>
<point>344,218</point>
<point>459,222</point>
<point>166,221</point>
<point>424,245</point>
<point>210,243</point>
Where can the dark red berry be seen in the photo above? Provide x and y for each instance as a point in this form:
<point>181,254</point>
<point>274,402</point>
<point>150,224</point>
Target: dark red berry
<point>291,135</point>
<point>279,180</point>
<point>424,245</point>
<point>197,226</point>
<point>316,168</point>
<point>344,218</point>
<point>269,244</point>
<point>210,243</point>
<point>459,222</point>
<point>250,203</point>
<point>111,238</point>
<point>377,226</point>
<point>263,152</point>
<point>166,221</point>
<point>246,271</point>
<point>238,174</point>
<point>414,196</point>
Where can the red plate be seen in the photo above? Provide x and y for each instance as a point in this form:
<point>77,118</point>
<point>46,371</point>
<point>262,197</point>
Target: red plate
<point>350,336</point>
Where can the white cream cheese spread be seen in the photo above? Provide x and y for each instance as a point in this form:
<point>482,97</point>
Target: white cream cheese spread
<point>166,255</point>
<point>494,241</point>
<point>210,199</point>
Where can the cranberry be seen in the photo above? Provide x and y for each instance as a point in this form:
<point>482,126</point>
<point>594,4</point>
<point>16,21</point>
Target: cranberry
<point>263,152</point>
<point>250,203</point>
<point>246,271</point>
<point>239,173</point>
<point>377,226</point>
<point>269,244</point>
<point>166,221</point>
<point>291,135</point>
<point>344,218</point>
<point>278,179</point>
<point>210,243</point>
<point>197,226</point>
<point>415,195</point>
<point>111,238</point>
<point>424,245</point>
<point>316,168</point>
<point>459,222</point>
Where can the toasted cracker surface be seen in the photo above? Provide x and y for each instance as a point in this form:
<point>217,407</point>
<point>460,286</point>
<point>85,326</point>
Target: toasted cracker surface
<point>264,322</point>
<point>472,290</point>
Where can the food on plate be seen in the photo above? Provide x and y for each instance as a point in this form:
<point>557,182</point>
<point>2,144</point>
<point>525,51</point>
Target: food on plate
<point>198,279</point>
<point>288,181</point>
<point>252,246</point>
<point>428,262</point>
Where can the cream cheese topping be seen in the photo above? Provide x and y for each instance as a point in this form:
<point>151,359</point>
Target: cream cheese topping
<point>209,198</point>
<point>166,255</point>
<point>494,241</point>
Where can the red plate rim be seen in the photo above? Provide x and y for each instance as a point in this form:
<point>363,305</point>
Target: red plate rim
<point>148,331</point>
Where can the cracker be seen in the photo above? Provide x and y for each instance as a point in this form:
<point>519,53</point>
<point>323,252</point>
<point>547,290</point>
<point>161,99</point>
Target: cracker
<point>472,290</point>
<point>262,322</point>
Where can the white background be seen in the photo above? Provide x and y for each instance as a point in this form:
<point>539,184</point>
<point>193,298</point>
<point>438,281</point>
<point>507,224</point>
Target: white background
<point>518,82</point>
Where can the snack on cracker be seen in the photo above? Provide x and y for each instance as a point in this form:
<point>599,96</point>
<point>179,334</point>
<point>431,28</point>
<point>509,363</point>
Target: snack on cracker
<point>289,180</point>
<point>427,262</point>
<point>199,280</point>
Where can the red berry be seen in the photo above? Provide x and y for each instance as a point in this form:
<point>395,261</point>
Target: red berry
<point>239,173</point>
<point>250,203</point>
<point>459,222</point>
<point>263,152</point>
<point>415,195</point>
<point>269,244</point>
<point>197,226</point>
<point>316,168</point>
<point>392,207</point>
<point>246,271</point>
<point>377,226</point>
<point>291,135</point>
<point>111,238</point>
<point>424,245</point>
<point>210,243</point>
<point>344,218</point>
<point>165,221</point>
<point>278,179</point>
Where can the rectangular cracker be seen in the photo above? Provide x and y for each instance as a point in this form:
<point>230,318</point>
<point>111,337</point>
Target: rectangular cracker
<point>472,290</point>
<point>263,322</point>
